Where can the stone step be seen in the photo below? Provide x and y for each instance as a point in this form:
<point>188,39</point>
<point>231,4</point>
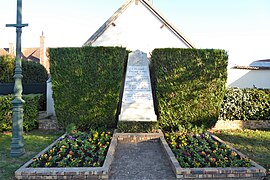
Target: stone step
<point>47,124</point>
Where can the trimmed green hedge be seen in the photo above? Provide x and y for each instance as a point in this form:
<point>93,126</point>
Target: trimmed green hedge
<point>30,112</point>
<point>137,127</point>
<point>32,72</point>
<point>246,104</point>
<point>189,86</point>
<point>86,85</point>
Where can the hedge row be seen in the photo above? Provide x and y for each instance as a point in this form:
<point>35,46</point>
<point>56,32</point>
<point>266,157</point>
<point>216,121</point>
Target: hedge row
<point>246,104</point>
<point>30,112</point>
<point>86,85</point>
<point>32,72</point>
<point>189,86</point>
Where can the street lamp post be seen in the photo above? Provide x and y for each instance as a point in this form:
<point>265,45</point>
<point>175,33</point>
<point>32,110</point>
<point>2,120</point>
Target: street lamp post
<point>17,144</point>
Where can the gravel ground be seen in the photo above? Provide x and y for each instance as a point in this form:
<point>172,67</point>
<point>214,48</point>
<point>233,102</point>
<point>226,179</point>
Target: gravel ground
<point>143,160</point>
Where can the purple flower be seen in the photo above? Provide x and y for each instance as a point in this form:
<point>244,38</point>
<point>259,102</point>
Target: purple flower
<point>71,138</point>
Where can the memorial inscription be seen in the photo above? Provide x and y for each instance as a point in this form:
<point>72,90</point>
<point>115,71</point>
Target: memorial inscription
<point>137,102</point>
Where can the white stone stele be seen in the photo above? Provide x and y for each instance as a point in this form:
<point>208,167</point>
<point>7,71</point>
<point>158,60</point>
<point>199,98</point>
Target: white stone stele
<point>137,101</point>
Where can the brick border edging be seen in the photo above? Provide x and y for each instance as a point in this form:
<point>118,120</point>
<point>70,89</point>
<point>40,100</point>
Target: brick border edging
<point>137,137</point>
<point>241,124</point>
<point>24,172</point>
<point>256,172</point>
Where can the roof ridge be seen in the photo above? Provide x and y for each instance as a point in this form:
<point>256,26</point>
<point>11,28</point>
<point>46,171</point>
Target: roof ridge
<point>108,22</point>
<point>150,7</point>
<point>171,26</point>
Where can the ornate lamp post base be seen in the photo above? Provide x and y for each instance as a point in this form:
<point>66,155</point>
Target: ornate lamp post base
<point>17,144</point>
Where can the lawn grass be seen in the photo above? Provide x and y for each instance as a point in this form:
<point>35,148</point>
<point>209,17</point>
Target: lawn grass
<point>34,142</point>
<point>253,143</point>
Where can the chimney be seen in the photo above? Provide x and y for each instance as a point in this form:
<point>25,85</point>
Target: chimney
<point>42,51</point>
<point>11,49</point>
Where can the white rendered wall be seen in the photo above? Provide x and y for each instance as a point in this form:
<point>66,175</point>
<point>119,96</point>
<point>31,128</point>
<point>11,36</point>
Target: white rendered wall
<point>138,28</point>
<point>50,102</point>
<point>243,78</point>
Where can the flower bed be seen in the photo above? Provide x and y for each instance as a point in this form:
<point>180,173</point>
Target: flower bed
<point>201,150</point>
<point>78,155</point>
<point>198,156</point>
<point>76,150</point>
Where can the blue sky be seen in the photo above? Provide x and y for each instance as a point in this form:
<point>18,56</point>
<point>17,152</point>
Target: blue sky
<point>239,26</point>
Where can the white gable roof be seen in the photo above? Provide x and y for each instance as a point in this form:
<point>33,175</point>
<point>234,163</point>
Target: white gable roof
<point>138,26</point>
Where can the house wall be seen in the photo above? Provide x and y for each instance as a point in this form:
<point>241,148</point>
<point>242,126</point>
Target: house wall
<point>138,28</point>
<point>243,78</point>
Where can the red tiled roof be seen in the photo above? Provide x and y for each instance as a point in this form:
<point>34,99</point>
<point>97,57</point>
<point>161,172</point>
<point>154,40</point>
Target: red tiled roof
<point>32,54</point>
<point>4,51</point>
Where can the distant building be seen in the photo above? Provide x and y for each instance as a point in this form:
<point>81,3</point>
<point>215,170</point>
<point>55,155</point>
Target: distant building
<point>137,24</point>
<point>255,75</point>
<point>36,54</point>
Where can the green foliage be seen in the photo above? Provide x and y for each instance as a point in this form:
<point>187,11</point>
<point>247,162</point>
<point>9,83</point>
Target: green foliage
<point>71,128</point>
<point>5,113</point>
<point>189,86</point>
<point>6,68</point>
<point>30,112</point>
<point>86,85</point>
<point>245,104</point>
<point>32,72</point>
<point>42,103</point>
<point>137,127</point>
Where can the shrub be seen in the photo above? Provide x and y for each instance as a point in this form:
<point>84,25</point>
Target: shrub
<point>32,72</point>
<point>245,104</point>
<point>86,85</point>
<point>6,68</point>
<point>30,112</point>
<point>137,127</point>
<point>189,86</point>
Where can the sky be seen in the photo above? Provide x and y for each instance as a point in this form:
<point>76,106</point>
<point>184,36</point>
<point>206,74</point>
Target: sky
<point>241,27</point>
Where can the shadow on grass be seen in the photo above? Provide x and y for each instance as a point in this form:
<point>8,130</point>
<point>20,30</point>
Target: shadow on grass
<point>34,141</point>
<point>253,143</point>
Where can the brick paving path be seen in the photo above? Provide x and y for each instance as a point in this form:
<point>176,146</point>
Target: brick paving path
<point>142,160</point>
